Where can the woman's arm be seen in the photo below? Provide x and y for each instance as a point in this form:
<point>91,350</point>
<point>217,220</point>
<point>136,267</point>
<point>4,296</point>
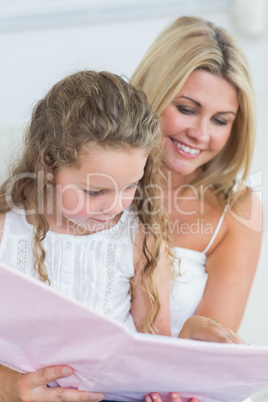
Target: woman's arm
<point>232,265</point>
<point>201,329</point>
<point>17,387</point>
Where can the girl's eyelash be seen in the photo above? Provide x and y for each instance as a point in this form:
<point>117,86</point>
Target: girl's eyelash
<point>100,192</point>
<point>93,193</point>
<point>134,185</point>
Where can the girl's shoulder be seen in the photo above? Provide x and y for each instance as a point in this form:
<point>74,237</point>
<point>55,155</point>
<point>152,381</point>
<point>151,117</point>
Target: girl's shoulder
<point>2,224</point>
<point>12,222</point>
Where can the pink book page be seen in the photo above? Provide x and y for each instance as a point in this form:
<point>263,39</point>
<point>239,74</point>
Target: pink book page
<point>39,327</point>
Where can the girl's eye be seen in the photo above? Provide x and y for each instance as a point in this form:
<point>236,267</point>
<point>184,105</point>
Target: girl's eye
<point>93,193</point>
<point>184,110</point>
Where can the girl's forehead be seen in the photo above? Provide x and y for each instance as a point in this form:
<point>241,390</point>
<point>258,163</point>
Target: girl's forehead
<point>94,150</point>
<point>106,167</point>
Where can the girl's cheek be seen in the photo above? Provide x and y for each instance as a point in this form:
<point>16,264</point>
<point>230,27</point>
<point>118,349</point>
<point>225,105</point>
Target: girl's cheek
<point>127,199</point>
<point>69,200</point>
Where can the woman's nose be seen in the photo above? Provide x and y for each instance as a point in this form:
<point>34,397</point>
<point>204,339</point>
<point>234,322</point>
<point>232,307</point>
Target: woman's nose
<point>199,132</point>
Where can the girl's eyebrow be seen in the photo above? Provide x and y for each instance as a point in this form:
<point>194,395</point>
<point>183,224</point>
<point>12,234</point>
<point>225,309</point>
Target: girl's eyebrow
<point>199,104</point>
<point>97,188</point>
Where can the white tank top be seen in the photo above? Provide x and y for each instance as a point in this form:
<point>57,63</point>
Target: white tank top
<point>94,270</point>
<point>189,278</point>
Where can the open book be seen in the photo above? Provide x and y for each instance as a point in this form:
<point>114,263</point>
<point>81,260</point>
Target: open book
<point>39,327</point>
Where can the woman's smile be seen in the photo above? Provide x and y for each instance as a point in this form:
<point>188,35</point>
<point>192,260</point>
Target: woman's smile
<point>186,150</point>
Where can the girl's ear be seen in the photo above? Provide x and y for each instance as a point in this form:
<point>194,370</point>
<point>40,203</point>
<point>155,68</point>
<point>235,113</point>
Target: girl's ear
<point>47,160</point>
<point>48,164</point>
<point>49,169</point>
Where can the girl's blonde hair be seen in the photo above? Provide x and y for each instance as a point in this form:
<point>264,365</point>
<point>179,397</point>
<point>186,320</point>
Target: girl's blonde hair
<point>86,107</point>
<point>189,44</point>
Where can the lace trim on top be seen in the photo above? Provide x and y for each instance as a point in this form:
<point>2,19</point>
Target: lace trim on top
<point>111,278</point>
<point>22,255</point>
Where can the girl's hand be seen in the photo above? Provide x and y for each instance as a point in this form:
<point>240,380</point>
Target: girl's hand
<point>201,328</point>
<point>33,386</point>
<point>174,397</point>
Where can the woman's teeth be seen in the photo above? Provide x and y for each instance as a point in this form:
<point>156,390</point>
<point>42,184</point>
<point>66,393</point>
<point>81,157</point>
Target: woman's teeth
<point>186,149</point>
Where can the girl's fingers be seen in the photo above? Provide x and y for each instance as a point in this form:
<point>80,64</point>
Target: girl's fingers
<point>155,397</point>
<point>64,394</point>
<point>47,374</point>
<point>35,384</point>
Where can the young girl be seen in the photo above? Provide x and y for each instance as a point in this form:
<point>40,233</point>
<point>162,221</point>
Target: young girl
<point>80,211</point>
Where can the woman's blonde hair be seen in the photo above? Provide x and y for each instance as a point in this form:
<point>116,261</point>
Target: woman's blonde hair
<point>189,44</point>
<point>87,107</point>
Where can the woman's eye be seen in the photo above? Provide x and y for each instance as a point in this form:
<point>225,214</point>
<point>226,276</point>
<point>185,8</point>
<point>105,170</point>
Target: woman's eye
<point>93,193</point>
<point>220,122</point>
<point>184,110</point>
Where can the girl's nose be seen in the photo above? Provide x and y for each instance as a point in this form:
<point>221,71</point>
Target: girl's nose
<point>114,207</point>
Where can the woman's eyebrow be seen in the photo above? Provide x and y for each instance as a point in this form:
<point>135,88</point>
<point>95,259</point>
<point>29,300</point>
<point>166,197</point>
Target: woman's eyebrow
<point>228,111</point>
<point>190,99</point>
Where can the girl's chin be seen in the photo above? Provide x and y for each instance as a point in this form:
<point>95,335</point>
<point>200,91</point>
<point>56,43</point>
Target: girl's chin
<point>85,227</point>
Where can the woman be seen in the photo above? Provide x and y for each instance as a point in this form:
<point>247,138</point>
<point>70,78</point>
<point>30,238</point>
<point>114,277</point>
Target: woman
<point>197,79</point>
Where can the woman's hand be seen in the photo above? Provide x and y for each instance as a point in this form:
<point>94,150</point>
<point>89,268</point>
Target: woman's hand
<point>174,397</point>
<point>17,387</point>
<point>201,328</point>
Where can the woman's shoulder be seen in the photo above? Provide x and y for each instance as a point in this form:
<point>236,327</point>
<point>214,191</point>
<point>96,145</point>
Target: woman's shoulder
<point>246,210</point>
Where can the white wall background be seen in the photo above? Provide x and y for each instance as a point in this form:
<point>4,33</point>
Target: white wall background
<point>36,52</point>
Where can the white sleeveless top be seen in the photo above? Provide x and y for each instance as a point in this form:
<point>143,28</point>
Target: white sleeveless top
<point>189,278</point>
<point>94,269</point>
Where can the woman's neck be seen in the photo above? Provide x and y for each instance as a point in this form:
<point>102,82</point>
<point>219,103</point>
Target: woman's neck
<point>172,181</point>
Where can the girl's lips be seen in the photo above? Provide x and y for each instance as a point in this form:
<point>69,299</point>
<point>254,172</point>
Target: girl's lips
<point>185,150</point>
<point>102,220</point>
